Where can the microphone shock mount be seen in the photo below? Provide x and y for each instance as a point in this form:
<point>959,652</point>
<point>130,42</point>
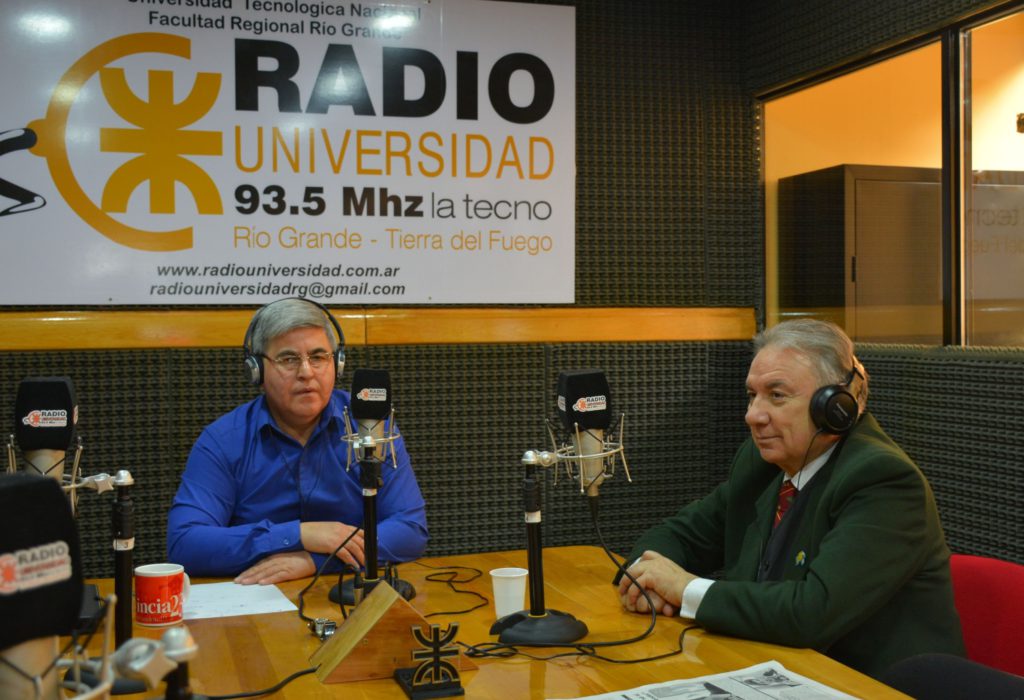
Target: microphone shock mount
<point>611,448</point>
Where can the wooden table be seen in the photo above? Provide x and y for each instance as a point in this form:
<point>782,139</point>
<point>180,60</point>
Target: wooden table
<point>253,652</point>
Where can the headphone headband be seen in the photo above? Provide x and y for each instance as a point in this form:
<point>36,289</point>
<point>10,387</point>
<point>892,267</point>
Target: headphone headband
<point>254,361</point>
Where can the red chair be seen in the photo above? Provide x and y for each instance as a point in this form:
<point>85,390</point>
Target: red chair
<point>989,595</point>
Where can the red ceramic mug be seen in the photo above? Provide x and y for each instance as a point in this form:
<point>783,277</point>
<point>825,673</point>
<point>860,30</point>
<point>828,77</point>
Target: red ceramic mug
<point>160,593</point>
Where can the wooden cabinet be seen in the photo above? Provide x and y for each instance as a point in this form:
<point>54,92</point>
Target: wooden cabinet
<point>860,245</point>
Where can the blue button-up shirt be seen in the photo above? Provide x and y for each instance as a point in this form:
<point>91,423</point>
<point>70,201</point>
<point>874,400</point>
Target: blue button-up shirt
<point>247,486</point>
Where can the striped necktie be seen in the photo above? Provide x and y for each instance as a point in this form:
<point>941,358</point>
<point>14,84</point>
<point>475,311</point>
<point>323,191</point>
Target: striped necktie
<point>787,492</point>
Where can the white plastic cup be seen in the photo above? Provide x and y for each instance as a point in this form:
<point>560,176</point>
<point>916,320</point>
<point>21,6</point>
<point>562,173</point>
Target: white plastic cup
<point>509,585</point>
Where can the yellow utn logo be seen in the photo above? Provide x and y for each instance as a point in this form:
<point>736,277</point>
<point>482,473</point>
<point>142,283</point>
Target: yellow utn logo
<point>158,140</point>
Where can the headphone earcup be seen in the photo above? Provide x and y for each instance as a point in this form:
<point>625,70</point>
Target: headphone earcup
<point>254,369</point>
<point>254,362</point>
<point>834,410</point>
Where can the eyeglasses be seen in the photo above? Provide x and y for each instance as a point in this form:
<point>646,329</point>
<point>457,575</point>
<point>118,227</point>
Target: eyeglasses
<point>291,362</point>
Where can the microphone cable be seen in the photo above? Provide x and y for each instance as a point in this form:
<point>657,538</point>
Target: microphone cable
<point>620,565</point>
<point>807,453</point>
<point>319,571</point>
<point>447,576</point>
<point>268,691</point>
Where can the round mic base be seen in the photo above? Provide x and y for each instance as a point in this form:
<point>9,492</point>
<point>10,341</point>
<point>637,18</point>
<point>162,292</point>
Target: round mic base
<point>553,627</point>
<point>347,594</point>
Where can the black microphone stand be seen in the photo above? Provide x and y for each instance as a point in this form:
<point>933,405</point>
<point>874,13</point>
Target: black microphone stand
<point>370,480</point>
<point>123,525</point>
<point>122,520</point>
<point>538,625</point>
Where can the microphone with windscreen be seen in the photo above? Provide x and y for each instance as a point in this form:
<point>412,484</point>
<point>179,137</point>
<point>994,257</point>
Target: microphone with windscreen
<point>40,582</point>
<point>585,410</point>
<point>45,417</point>
<point>45,414</point>
<point>371,407</point>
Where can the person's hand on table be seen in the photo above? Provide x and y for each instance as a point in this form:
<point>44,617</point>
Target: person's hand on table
<point>276,568</point>
<point>324,537</point>
<point>662,578</point>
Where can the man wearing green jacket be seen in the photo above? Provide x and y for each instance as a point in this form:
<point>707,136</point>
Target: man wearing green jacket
<point>825,534</point>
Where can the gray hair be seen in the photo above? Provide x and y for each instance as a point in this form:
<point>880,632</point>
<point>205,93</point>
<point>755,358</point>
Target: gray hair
<point>828,348</point>
<point>284,315</point>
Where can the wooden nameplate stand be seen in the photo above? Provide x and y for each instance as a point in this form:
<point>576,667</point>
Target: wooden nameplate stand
<point>373,641</point>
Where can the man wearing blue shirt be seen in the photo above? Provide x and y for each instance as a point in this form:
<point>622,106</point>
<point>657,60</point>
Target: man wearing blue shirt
<point>267,493</point>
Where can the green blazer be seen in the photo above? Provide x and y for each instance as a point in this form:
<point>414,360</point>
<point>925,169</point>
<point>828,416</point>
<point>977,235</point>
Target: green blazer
<point>864,576</point>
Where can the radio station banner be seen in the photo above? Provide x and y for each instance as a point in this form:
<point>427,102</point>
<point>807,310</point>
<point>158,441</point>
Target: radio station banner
<point>159,152</point>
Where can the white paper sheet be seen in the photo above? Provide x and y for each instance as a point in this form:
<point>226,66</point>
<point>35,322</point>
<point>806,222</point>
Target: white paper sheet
<point>227,599</point>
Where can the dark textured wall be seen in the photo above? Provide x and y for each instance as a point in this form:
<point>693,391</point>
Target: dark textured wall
<point>667,195</point>
<point>957,413</point>
<point>789,39</point>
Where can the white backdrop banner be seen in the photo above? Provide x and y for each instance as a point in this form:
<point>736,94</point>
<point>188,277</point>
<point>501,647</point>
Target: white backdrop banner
<point>160,152</point>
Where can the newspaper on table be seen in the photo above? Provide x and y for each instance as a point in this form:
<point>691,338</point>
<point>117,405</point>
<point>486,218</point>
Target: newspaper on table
<point>768,680</point>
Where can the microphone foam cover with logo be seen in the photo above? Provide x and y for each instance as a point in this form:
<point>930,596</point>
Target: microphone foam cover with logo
<point>45,413</point>
<point>371,394</point>
<point>584,400</point>
<point>40,560</point>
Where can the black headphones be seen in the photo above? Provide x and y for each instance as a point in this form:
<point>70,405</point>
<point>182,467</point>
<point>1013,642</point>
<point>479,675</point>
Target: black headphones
<point>834,408</point>
<point>254,361</point>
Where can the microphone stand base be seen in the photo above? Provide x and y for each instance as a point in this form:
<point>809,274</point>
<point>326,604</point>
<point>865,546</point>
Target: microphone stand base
<point>404,588</point>
<point>347,592</point>
<point>553,627</point>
